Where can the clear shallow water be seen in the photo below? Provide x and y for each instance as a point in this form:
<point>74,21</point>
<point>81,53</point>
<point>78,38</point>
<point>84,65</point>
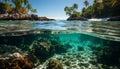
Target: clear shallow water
<point>85,44</point>
<point>102,29</point>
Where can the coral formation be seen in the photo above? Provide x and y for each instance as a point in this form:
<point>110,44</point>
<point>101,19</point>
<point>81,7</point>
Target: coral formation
<point>15,61</point>
<point>42,49</point>
<point>107,55</point>
<point>8,49</point>
<point>64,54</point>
<point>54,64</point>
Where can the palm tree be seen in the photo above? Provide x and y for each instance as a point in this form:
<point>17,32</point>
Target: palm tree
<point>67,10</point>
<point>86,3</point>
<point>75,6</point>
<point>71,10</point>
<point>19,5</point>
<point>26,2</point>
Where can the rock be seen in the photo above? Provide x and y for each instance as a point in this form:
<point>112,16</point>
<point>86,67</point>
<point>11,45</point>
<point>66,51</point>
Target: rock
<point>12,62</point>
<point>80,48</point>
<point>54,64</point>
<point>8,49</point>
<point>77,18</point>
<point>44,19</point>
<point>68,63</point>
<point>42,49</point>
<point>85,64</point>
<point>22,16</point>
<point>16,54</point>
<point>116,18</point>
<point>108,55</point>
<point>59,48</point>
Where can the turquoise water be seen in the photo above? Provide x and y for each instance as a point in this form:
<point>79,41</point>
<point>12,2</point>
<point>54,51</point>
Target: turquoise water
<point>85,44</point>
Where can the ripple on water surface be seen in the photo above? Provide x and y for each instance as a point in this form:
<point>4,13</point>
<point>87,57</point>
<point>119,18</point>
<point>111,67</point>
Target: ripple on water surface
<point>102,29</point>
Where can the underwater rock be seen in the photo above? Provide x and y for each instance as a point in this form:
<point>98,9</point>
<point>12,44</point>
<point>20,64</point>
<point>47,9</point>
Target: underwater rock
<point>68,63</point>
<point>85,64</point>
<point>80,48</point>
<point>42,49</point>
<point>62,48</point>
<point>8,49</point>
<point>15,61</point>
<point>45,48</point>
<point>54,64</point>
<point>107,55</point>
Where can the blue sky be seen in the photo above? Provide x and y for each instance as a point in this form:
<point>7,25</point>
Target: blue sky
<point>55,8</point>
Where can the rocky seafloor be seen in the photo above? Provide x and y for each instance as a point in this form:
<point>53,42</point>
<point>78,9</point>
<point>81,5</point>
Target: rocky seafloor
<point>58,51</point>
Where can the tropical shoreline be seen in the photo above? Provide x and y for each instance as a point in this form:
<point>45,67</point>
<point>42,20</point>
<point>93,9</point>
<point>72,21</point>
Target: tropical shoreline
<point>22,16</point>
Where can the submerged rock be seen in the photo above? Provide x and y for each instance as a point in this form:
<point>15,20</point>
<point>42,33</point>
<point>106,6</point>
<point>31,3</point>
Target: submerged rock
<point>15,61</point>
<point>54,64</point>
<point>80,48</point>
<point>8,49</point>
<point>68,63</point>
<point>107,55</point>
<point>45,48</point>
<point>42,49</point>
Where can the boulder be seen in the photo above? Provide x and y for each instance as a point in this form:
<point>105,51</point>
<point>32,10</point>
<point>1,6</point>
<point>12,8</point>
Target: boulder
<point>116,18</point>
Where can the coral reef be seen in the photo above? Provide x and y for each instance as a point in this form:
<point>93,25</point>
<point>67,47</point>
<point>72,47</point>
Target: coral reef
<point>42,49</point>
<point>15,61</point>
<point>46,51</point>
<point>8,49</point>
<point>107,55</point>
<point>54,64</point>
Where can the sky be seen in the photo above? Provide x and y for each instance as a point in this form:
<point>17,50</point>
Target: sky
<point>55,8</point>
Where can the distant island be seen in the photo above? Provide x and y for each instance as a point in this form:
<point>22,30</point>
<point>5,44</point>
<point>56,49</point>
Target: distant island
<point>99,9</point>
<point>18,10</point>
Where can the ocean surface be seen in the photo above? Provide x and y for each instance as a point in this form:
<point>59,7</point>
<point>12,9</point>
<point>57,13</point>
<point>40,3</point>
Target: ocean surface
<point>75,44</point>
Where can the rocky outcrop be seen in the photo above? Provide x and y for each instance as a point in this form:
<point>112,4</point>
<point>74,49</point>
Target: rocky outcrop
<point>77,18</point>
<point>116,18</point>
<point>22,16</point>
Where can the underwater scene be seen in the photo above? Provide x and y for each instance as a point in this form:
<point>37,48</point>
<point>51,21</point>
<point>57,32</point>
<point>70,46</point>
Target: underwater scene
<point>59,44</point>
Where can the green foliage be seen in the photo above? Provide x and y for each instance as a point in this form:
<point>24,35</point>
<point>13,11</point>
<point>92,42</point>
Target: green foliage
<point>4,7</point>
<point>75,14</point>
<point>86,3</point>
<point>72,11</point>
<point>88,13</point>
<point>18,6</point>
<point>106,8</point>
